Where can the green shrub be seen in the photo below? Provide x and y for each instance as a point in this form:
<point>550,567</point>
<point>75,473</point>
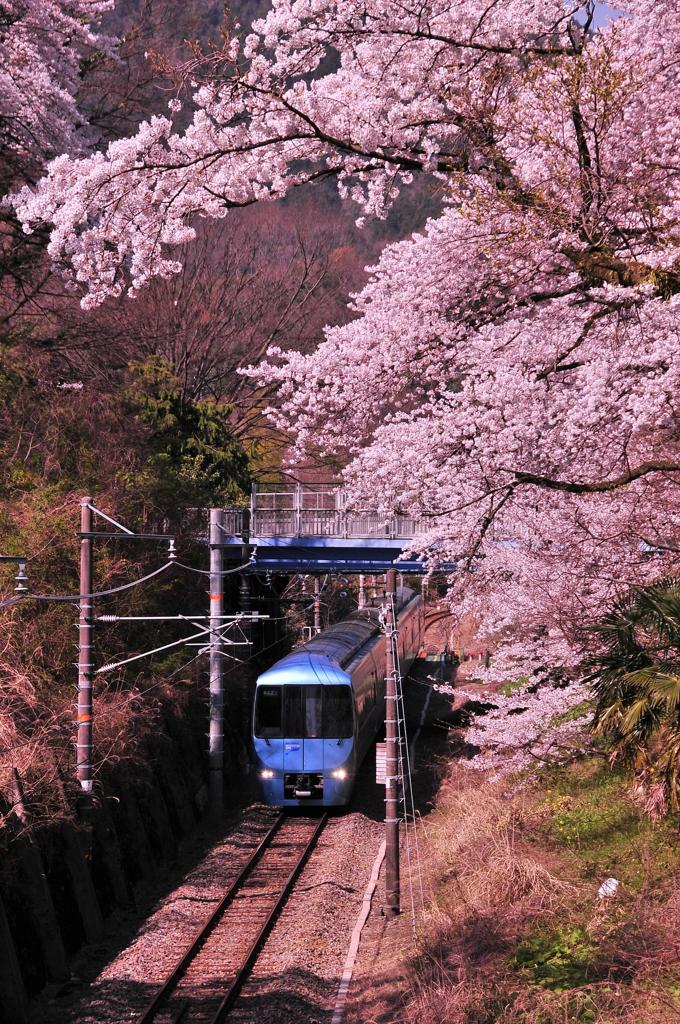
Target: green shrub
<point>559,959</point>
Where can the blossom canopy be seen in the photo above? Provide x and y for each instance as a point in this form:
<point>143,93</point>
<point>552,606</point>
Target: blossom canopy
<point>512,371</point>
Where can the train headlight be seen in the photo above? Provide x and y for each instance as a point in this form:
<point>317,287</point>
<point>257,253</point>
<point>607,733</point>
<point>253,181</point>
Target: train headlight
<point>339,773</point>
<point>266,773</point>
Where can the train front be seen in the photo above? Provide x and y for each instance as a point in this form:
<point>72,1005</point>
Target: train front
<point>304,733</point>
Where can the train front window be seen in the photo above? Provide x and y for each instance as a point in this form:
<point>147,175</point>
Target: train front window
<point>268,712</point>
<point>315,712</point>
<point>337,712</point>
<point>293,717</point>
<point>313,718</point>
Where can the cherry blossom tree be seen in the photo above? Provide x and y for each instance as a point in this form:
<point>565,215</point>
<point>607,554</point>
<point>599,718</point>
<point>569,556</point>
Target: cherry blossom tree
<point>512,372</point>
<point>41,45</point>
<point>44,45</point>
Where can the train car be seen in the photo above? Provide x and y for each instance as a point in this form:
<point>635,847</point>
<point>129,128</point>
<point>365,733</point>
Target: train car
<point>317,711</point>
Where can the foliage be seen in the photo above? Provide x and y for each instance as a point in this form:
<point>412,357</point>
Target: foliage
<point>41,46</point>
<point>591,811</point>
<point>584,709</point>
<point>143,452</point>
<point>190,456</point>
<point>637,684</point>
<point>528,727</point>
<point>559,959</point>
<point>514,684</point>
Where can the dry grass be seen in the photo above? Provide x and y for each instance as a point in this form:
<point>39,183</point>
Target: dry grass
<point>36,741</point>
<point>509,912</point>
<point>485,858</point>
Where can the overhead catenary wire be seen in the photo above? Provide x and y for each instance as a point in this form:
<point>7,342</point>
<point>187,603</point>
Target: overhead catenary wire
<point>115,590</point>
<point>224,572</point>
<point>102,593</point>
<point>153,686</point>
<point>16,598</point>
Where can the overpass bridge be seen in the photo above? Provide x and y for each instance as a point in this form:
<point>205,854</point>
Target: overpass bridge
<point>298,528</point>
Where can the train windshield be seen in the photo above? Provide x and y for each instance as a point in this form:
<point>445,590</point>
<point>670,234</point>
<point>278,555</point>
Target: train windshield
<point>303,712</point>
<point>268,712</point>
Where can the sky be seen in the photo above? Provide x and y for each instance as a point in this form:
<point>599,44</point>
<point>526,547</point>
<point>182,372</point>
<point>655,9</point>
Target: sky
<point>603,13</point>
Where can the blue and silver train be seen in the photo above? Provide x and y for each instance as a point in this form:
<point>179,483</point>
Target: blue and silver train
<point>318,710</point>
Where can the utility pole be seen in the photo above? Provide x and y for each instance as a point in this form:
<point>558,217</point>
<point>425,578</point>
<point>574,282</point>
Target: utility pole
<point>216,734</point>
<point>244,588</point>
<point>392,895</point>
<point>245,692</point>
<point>317,606</point>
<point>85,657</point>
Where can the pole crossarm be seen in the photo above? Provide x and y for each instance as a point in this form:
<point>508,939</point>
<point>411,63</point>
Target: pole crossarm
<point>103,515</point>
<point>204,631</point>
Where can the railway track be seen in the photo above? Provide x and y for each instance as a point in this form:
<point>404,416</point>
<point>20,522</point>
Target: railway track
<point>205,982</point>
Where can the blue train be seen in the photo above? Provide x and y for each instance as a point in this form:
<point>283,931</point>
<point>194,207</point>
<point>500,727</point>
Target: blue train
<point>318,710</point>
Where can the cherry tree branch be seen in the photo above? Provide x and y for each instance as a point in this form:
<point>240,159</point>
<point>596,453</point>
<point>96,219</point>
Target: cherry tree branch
<point>599,486</point>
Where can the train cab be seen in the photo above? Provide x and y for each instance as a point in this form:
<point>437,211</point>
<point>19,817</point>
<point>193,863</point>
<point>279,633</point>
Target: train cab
<point>304,732</point>
<point>317,710</point>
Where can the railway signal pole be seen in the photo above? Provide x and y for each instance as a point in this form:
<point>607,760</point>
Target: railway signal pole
<point>392,894</point>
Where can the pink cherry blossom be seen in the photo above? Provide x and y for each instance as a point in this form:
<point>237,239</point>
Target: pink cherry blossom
<point>41,44</point>
<point>527,728</point>
<point>512,372</point>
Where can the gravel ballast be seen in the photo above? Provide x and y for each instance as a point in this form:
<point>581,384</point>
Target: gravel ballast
<point>298,972</point>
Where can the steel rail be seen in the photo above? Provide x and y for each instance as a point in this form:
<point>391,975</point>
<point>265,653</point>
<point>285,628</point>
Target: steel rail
<point>251,957</point>
<point>207,927</point>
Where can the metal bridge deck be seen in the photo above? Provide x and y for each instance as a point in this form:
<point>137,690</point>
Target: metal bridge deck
<point>293,528</point>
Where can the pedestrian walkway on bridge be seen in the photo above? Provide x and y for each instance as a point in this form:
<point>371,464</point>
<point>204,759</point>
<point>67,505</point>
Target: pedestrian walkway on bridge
<point>295,527</point>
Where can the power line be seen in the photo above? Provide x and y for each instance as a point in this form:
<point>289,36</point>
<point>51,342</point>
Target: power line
<point>154,686</point>
<point>116,590</point>
<point>101,593</point>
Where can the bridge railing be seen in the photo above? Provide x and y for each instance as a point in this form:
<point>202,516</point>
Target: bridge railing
<point>315,510</point>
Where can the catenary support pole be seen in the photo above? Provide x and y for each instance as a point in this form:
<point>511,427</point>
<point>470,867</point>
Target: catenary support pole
<point>244,589</point>
<point>216,734</point>
<point>317,606</point>
<point>392,895</point>
<point>85,658</point>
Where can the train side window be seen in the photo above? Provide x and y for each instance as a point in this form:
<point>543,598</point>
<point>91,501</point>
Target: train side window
<point>337,713</point>
<point>268,712</point>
